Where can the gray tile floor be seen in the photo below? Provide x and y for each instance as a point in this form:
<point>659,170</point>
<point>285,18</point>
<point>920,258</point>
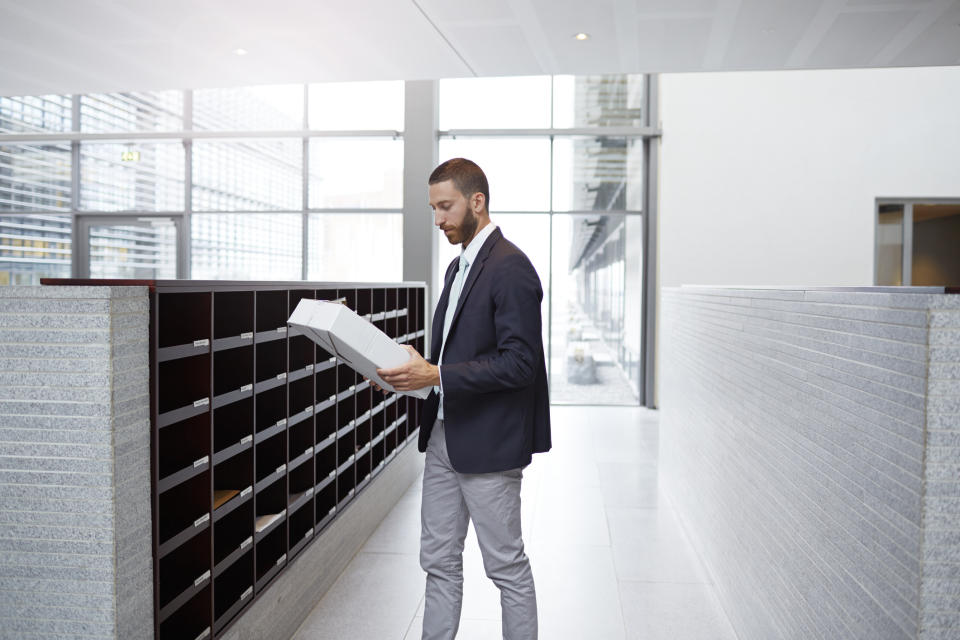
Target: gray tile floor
<point>609,557</point>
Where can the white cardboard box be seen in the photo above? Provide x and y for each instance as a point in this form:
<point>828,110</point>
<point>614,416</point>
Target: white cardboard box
<point>343,333</point>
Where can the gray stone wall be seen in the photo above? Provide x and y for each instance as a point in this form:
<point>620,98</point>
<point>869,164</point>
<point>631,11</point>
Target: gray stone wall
<point>815,474</point>
<point>75,537</point>
<point>940,587</point>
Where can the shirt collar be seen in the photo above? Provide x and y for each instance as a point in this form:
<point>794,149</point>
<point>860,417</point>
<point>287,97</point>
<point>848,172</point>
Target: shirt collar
<point>470,253</point>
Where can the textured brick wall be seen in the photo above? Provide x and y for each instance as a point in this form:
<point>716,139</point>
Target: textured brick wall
<point>817,476</point>
<point>75,550</point>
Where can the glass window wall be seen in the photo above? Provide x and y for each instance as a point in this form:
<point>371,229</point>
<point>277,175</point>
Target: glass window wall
<point>131,112</point>
<point>358,247</point>
<point>131,176</point>
<point>596,312</point>
<point>246,246</point>
<point>267,108</point>
<point>519,167</point>
<point>590,264</point>
<point>40,114</point>
<point>597,173</point>
<point>249,204</point>
<point>356,173</point>
<point>142,251</point>
<point>253,175</point>
<point>599,101</point>
<point>35,177</point>
<point>34,246</point>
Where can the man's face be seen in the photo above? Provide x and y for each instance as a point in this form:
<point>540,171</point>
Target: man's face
<point>452,212</point>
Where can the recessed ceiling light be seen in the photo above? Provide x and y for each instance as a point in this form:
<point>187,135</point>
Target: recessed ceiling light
<point>582,36</point>
<point>240,52</point>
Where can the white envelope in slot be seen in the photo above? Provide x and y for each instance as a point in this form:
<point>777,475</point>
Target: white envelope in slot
<point>343,333</point>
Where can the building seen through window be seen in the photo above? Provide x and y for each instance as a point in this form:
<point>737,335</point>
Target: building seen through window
<point>247,198</point>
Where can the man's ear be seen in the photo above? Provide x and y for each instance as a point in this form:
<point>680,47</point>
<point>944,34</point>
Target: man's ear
<point>478,202</point>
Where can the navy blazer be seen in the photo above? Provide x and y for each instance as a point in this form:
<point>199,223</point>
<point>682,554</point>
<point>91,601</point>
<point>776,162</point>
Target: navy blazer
<point>496,405</point>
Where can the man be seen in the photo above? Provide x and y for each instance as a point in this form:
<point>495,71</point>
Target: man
<point>489,411</point>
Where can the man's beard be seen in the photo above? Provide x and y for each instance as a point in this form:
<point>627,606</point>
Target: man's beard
<point>468,227</point>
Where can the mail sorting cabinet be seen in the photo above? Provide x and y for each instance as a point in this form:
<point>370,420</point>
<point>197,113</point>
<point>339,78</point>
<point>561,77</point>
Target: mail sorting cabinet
<point>259,436</point>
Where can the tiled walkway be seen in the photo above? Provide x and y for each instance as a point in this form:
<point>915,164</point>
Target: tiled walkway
<point>609,557</point>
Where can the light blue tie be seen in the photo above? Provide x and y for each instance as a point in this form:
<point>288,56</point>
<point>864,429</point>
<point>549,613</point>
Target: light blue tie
<point>455,290</point>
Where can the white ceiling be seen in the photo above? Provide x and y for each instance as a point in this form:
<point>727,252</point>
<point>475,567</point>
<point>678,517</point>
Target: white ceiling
<point>66,46</point>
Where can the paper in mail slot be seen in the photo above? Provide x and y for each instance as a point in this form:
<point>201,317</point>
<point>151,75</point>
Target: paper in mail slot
<point>343,333</point>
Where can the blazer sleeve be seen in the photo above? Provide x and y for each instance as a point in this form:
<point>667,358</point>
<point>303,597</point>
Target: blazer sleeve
<point>516,295</point>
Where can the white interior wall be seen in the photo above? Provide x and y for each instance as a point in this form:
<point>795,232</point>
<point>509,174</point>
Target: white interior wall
<point>770,178</point>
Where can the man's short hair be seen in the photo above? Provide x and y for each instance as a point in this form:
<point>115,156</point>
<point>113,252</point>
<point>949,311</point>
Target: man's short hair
<point>467,177</point>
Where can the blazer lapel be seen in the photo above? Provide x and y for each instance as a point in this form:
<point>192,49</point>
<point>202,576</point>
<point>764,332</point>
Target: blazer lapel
<point>436,341</point>
<point>473,275</point>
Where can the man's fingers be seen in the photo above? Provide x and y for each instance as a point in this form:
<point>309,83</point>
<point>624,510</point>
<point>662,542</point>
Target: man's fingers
<point>386,373</point>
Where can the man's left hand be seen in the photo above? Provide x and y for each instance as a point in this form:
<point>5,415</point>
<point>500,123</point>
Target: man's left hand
<point>415,373</point>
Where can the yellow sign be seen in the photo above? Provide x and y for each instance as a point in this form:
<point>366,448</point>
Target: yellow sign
<point>130,156</point>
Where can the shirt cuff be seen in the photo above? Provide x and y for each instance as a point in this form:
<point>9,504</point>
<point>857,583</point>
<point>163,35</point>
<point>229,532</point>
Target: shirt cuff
<point>440,375</point>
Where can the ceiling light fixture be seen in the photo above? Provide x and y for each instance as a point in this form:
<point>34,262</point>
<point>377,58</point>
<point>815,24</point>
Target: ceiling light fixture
<point>582,36</point>
<point>240,52</point>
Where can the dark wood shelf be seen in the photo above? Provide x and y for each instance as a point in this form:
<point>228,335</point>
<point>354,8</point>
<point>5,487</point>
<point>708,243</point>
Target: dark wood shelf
<point>199,526</point>
<point>279,333</point>
<point>271,383</point>
<point>234,555</point>
<point>299,417</point>
<point>184,350</point>
<point>299,500</point>
<point>272,572</point>
<point>199,406</point>
<point>300,459</point>
<point>201,582</point>
<point>235,502</point>
<point>232,342</point>
<point>241,402</point>
<point>181,476</point>
<point>225,454</point>
<point>266,434</point>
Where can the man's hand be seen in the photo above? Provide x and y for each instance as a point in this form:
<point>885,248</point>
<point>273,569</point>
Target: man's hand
<point>414,374</point>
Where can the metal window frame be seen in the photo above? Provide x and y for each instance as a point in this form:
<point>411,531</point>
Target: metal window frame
<point>651,278</point>
<point>83,221</point>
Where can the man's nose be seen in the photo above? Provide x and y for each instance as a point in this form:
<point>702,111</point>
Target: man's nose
<point>438,219</point>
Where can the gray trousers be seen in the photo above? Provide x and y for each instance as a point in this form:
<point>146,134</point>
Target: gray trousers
<point>492,501</point>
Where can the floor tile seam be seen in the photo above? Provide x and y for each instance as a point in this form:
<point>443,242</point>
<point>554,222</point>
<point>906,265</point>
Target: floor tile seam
<point>413,619</point>
<point>704,569</point>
